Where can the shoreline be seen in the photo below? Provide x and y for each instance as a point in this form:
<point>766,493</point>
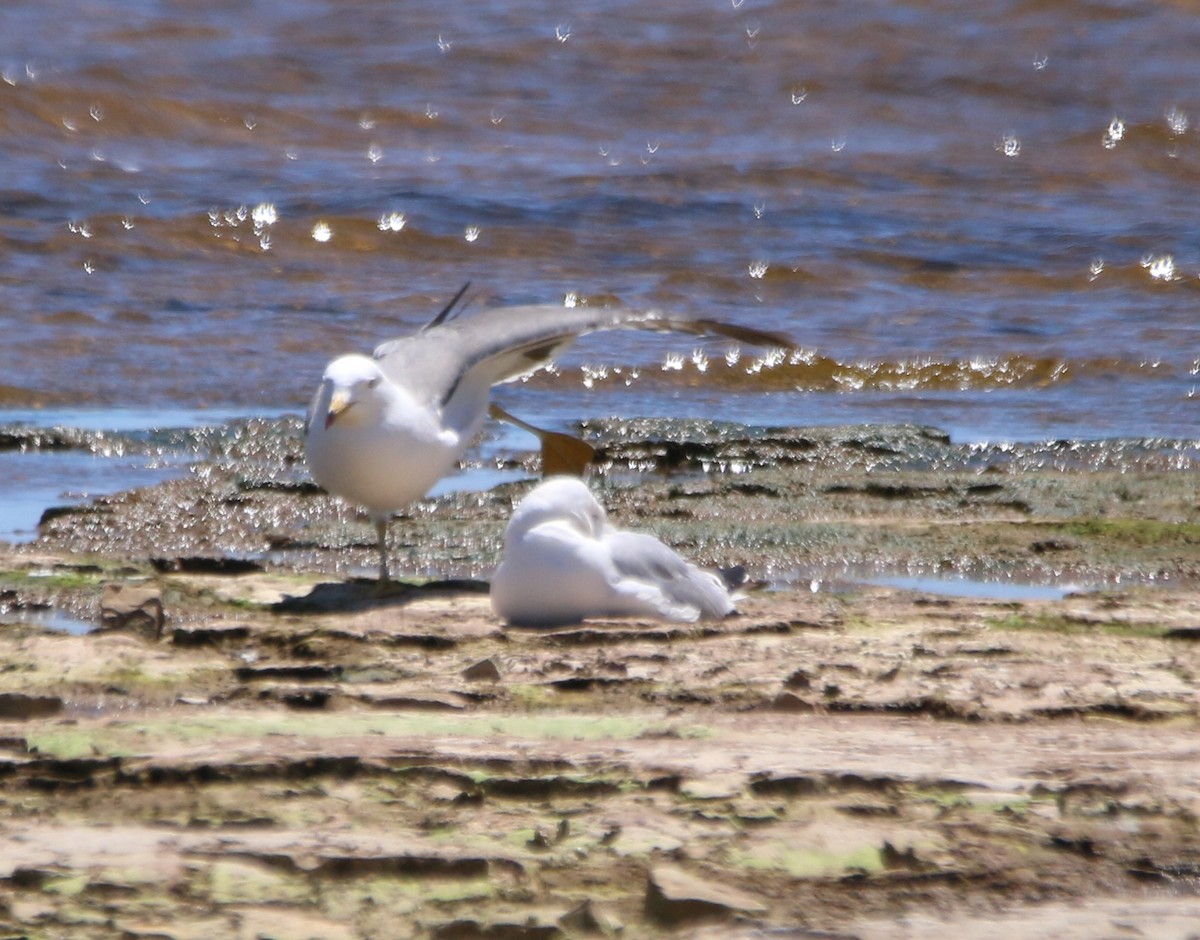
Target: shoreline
<point>874,761</point>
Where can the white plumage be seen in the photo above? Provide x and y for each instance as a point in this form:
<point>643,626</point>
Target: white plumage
<point>382,430</point>
<point>564,562</point>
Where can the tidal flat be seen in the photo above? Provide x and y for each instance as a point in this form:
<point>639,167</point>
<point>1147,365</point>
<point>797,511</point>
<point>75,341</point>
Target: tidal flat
<point>246,739</point>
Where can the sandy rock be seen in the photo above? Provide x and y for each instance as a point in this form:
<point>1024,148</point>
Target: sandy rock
<point>592,918</point>
<point>673,895</point>
<point>136,608</point>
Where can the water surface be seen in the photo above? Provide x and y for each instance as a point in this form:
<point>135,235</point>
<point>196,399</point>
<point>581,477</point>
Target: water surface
<point>976,216</point>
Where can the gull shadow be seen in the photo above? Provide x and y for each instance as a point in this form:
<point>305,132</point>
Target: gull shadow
<point>365,594</point>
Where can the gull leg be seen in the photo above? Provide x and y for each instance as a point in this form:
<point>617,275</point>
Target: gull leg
<point>381,536</point>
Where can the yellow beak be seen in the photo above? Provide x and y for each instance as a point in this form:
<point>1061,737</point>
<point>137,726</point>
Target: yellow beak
<point>338,403</point>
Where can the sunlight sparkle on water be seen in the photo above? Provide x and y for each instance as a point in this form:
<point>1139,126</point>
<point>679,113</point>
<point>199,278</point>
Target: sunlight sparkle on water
<point>321,232</point>
<point>768,360</point>
<point>1177,121</point>
<point>264,214</point>
<point>1114,134</point>
<point>1010,145</point>
<point>391,222</point>
<point>1161,268</point>
<point>591,374</point>
<point>758,269</point>
<point>472,233</point>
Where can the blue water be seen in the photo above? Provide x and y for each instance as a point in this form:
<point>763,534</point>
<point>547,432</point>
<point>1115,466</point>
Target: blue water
<point>978,217</point>
<point>964,586</point>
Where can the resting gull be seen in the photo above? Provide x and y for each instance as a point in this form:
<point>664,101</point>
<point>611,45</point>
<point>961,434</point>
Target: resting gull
<point>383,429</point>
<point>564,562</point>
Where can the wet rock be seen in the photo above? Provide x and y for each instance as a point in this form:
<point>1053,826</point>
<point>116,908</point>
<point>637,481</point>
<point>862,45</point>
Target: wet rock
<point>303,672</point>
<point>800,679</point>
<point>209,634</point>
<point>673,895</point>
<point>198,564</point>
<point>50,513</point>
<point>135,608</point>
<point>303,697</point>
<point>889,490</point>
<point>24,705</point>
<point>791,702</point>
<point>539,840</point>
<point>470,928</point>
<point>1045,546</point>
<point>485,670</point>
<point>588,917</point>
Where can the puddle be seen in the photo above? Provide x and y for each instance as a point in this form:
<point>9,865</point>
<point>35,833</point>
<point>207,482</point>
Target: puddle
<point>125,420</point>
<point>963,586</point>
<point>475,480</point>
<point>841,580</point>
<point>31,482</point>
<point>48,618</point>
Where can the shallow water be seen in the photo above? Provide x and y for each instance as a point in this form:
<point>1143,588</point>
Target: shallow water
<point>47,618</point>
<point>981,589</point>
<point>980,217</point>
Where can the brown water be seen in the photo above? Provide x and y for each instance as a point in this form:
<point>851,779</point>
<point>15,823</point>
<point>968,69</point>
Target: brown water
<point>982,216</point>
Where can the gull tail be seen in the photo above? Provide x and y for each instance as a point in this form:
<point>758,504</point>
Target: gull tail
<point>561,453</point>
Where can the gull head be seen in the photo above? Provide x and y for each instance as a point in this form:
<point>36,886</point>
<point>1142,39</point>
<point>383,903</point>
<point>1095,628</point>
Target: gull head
<point>560,499</point>
<point>349,391</point>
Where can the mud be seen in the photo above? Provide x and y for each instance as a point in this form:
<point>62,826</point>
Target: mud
<point>301,756</point>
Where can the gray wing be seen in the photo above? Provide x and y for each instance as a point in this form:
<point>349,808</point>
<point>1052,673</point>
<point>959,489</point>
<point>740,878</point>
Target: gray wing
<point>644,558</point>
<point>488,347</point>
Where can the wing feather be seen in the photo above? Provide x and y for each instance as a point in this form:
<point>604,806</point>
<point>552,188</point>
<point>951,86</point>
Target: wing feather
<point>453,362</point>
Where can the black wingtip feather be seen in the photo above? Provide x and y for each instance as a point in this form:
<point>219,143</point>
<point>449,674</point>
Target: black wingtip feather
<point>446,310</point>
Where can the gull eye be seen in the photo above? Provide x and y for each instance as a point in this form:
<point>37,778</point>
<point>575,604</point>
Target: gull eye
<point>372,383</point>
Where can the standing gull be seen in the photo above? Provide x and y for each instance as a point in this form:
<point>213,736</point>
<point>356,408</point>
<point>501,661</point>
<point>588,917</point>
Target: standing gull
<point>563,562</point>
<point>383,429</point>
